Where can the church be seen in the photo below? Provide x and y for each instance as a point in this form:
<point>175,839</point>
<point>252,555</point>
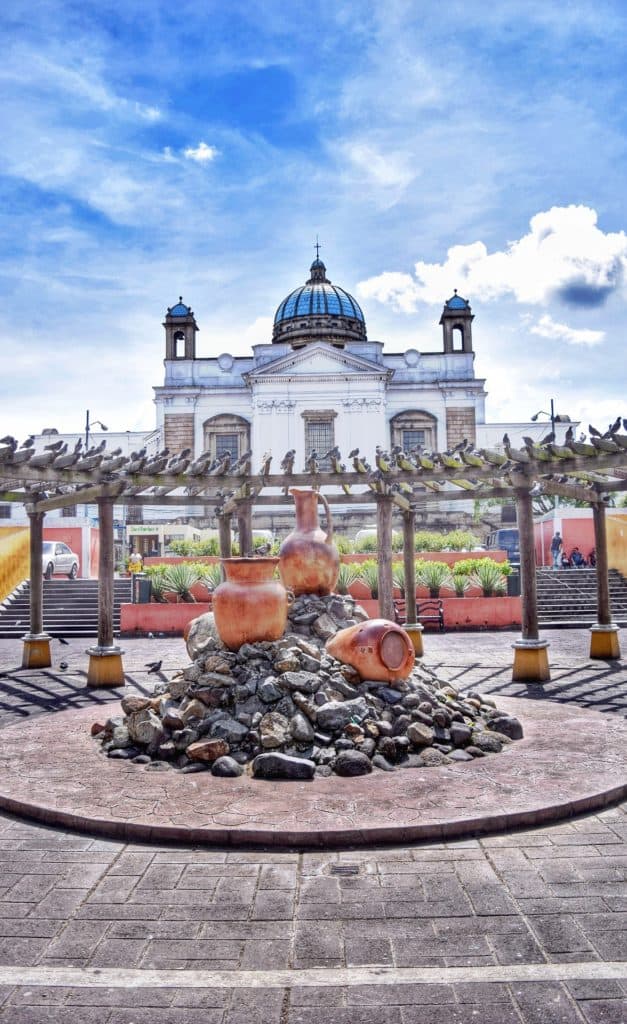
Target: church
<point>319,382</point>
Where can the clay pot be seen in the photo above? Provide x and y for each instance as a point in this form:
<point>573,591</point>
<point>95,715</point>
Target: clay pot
<point>250,605</point>
<point>377,648</point>
<point>309,562</point>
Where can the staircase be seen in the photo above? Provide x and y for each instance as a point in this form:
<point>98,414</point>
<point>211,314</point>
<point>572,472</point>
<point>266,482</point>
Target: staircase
<point>568,597</point>
<point>70,608</point>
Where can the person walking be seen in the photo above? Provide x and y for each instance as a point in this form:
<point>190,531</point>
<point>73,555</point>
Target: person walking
<point>557,545</point>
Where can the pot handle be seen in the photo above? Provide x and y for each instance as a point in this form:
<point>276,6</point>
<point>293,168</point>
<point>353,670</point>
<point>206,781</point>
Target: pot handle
<point>327,511</point>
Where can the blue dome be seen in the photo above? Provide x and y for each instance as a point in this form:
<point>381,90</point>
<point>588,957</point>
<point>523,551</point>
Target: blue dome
<point>180,309</point>
<point>456,302</point>
<point>313,300</point>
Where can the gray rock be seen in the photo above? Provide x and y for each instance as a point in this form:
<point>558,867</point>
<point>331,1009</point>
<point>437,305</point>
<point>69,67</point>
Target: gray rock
<point>226,768</point>
<point>460,734</point>
<point>301,728</point>
<point>202,635</point>
<point>475,752</point>
<point>385,693</point>
<point>352,762</point>
<point>488,742</point>
<point>273,730</point>
<point>324,770</point>
<point>459,755</point>
<point>146,729</point>
<point>432,758</point>
<point>280,766</point>
<point>304,682</point>
<point>125,754</point>
<point>142,759</point>
<point>324,627</point>
<point>420,735</point>
<point>379,761</point>
<point>269,691</point>
<point>194,768</point>
<point>507,725</point>
<point>335,715</point>
<point>229,729</point>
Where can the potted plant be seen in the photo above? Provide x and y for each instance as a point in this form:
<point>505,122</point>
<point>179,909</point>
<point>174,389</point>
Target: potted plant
<point>347,574</point>
<point>180,579</point>
<point>489,576</point>
<point>434,575</point>
<point>158,582</point>
<point>369,574</point>
<point>460,583</point>
<point>398,576</point>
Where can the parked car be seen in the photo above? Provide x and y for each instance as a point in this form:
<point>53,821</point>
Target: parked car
<point>59,558</point>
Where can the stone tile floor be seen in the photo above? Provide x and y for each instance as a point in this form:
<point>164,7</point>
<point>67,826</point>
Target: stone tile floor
<point>529,926</point>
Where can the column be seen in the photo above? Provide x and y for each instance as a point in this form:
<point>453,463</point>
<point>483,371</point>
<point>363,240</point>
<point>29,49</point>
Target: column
<point>531,662</point>
<point>604,641</point>
<point>384,539</point>
<point>36,652</point>
<point>412,626</point>
<point>224,536</point>
<point>105,659</point>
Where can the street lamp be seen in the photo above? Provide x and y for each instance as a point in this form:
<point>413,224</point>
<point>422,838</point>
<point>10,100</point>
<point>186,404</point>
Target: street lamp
<point>88,425</point>
<point>551,415</point>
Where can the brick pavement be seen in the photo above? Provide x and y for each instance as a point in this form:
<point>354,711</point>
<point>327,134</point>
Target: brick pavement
<point>551,898</point>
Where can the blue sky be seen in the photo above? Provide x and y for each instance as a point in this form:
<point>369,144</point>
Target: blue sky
<point>153,149</point>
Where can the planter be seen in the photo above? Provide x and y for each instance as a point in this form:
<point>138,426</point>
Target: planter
<point>309,561</point>
<point>482,612</point>
<point>166,619</point>
<point>250,605</point>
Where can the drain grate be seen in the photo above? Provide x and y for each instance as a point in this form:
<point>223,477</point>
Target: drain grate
<point>345,869</point>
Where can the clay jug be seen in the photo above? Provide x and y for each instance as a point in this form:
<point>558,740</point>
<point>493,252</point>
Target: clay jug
<point>377,648</point>
<point>309,562</point>
<point>250,605</point>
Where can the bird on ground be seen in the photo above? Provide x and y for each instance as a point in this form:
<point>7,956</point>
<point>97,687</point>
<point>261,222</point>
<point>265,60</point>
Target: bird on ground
<point>63,641</point>
<point>153,666</point>
<point>63,665</point>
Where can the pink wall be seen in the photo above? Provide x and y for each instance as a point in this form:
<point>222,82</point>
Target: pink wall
<point>575,532</point>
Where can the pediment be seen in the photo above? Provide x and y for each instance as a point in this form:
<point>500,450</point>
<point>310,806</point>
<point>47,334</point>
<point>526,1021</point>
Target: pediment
<point>318,360</point>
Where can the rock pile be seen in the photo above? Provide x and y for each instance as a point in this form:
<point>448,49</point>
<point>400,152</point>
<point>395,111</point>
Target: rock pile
<point>289,710</point>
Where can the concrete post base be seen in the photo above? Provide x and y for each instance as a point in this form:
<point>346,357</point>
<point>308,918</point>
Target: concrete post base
<point>414,631</point>
<point>531,661</point>
<point>36,653</point>
<point>105,667</point>
<point>604,642</point>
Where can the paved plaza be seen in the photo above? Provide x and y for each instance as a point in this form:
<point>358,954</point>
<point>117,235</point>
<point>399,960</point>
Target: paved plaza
<point>527,925</point>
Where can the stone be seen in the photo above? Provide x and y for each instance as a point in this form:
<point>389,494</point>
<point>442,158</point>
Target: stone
<point>194,767</point>
<point>309,664</point>
<point>387,748</point>
<point>167,751</point>
<point>229,729</point>
<point>460,734</point>
<point>172,719</point>
<point>385,693</point>
<point>269,691</point>
<point>379,761</point>
<point>97,729</point>
<point>207,750</point>
<point>216,663</point>
<point>289,662</point>
<point>475,751</point>
<point>507,725</point>
<point>178,687</point>
<point>183,737</point>
<point>133,704</point>
<point>281,766</point>
<point>142,759</point>
<point>432,758</point>
<point>352,762</point>
<point>488,742</point>
<point>226,768</point>
<point>273,730</point>
<point>304,682</point>
<point>195,709</point>
<point>123,753</point>
<point>459,755</point>
<point>334,716</point>
<point>202,635</point>
<point>301,728</point>
<point>145,728</point>
<point>324,627</point>
<point>420,735</point>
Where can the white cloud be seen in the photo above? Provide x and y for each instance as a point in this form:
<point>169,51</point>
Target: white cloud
<point>388,169</point>
<point>202,153</point>
<point>546,327</point>
<point>564,256</point>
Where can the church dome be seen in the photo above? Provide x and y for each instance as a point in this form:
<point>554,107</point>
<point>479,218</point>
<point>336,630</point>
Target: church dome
<point>319,311</point>
<point>180,309</point>
<point>456,302</point>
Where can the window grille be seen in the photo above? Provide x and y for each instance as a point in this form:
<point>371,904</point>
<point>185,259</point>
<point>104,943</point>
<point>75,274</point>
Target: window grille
<point>412,439</point>
<point>319,436</point>
<point>5,511</point>
<point>227,443</point>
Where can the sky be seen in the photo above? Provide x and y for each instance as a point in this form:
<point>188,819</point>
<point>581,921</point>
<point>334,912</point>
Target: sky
<point>152,149</point>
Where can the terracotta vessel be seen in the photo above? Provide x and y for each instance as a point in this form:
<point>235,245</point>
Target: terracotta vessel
<point>309,562</point>
<point>250,605</point>
<point>377,648</point>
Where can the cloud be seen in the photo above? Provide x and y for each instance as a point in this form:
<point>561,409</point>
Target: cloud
<point>546,327</point>
<point>563,257</point>
<point>202,153</point>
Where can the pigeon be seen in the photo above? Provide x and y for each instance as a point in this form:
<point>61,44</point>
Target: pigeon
<point>593,431</point>
<point>55,447</point>
<point>266,459</point>
<point>63,665</point>
<point>63,641</point>
<point>153,666</point>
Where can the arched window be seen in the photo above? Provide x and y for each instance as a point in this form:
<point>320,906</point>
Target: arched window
<point>226,433</point>
<point>179,344</point>
<point>457,336</point>
<point>414,428</point>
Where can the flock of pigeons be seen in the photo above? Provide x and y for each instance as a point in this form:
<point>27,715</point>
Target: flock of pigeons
<point>382,478</point>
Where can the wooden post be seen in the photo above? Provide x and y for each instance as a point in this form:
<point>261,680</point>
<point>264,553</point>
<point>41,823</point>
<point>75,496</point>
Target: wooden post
<point>245,528</point>
<point>224,536</point>
<point>384,539</point>
<point>531,661</point>
<point>36,652</point>
<point>412,626</point>
<point>105,659</point>
<point>604,633</point>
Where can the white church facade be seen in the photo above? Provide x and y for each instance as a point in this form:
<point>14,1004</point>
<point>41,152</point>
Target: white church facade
<point>319,383</point>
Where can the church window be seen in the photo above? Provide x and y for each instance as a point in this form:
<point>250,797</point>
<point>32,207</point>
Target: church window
<point>68,511</point>
<point>457,335</point>
<point>179,345</point>
<point>414,428</point>
<point>5,511</point>
<point>222,434</point>
<point>319,434</point>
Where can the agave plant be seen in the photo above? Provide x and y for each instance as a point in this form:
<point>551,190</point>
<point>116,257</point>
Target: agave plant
<point>434,575</point>
<point>157,574</point>
<point>460,583</point>
<point>489,576</point>
<point>348,573</point>
<point>398,576</point>
<point>181,578</point>
<point>211,575</point>
<point>369,574</point>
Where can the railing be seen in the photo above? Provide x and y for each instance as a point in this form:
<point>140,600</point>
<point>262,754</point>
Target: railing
<point>14,558</point>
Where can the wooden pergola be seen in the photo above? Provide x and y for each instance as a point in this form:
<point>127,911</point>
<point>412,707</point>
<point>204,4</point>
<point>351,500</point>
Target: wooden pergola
<point>399,483</point>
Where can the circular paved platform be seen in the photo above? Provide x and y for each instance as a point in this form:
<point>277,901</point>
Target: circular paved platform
<point>570,761</point>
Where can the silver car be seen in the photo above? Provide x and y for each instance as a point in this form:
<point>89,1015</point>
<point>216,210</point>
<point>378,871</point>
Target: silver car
<point>59,558</point>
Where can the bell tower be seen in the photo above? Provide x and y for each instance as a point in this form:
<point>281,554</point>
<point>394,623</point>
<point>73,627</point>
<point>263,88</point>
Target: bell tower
<point>180,332</point>
<point>456,321</point>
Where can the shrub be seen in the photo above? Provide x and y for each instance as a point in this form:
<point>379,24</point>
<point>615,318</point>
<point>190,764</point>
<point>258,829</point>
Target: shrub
<point>157,575</point>
<point>489,577</point>
<point>398,576</point>
<point>211,575</point>
<point>434,575</point>
<point>427,540</point>
<point>460,540</point>
<point>343,544</point>
<point>180,579</point>
<point>348,573</point>
<point>369,574</point>
<point>460,583</point>
<point>366,544</point>
<point>469,566</point>
<point>397,541</point>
